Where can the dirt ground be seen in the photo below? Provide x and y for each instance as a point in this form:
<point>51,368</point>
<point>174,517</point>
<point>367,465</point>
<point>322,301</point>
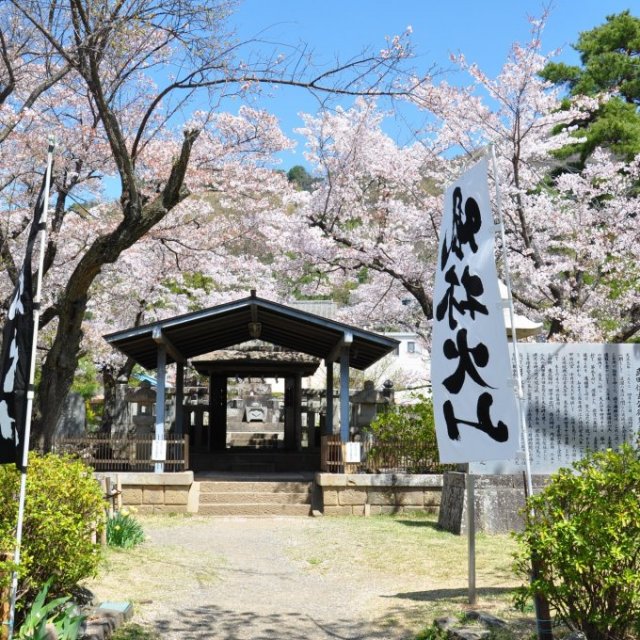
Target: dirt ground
<point>291,578</point>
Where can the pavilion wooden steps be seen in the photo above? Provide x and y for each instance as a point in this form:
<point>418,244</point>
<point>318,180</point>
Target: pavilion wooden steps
<point>255,497</point>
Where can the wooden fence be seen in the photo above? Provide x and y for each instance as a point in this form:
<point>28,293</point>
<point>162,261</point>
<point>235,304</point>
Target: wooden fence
<point>389,456</point>
<point>127,454</point>
<point>333,454</point>
<point>402,455</point>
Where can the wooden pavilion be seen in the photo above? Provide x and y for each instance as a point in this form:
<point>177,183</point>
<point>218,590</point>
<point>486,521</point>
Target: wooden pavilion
<point>195,336</point>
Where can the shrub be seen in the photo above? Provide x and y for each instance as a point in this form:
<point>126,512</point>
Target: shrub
<point>124,531</point>
<point>404,438</point>
<point>63,503</point>
<point>585,532</point>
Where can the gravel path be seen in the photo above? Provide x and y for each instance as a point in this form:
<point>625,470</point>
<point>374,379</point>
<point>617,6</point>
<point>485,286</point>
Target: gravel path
<point>259,579</point>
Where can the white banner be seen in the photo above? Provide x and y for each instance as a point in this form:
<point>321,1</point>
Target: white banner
<point>474,402</point>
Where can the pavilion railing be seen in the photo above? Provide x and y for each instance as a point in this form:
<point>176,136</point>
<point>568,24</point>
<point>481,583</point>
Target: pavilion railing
<point>333,456</point>
<point>104,453</point>
<point>396,455</point>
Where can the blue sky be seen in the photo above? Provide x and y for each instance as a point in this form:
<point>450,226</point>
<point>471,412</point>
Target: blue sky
<point>481,29</point>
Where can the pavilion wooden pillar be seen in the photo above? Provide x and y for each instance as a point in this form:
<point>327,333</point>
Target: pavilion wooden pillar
<point>164,347</point>
<point>160,400</point>
<point>328,422</point>
<point>340,352</point>
<point>292,412</point>
<point>344,394</point>
<point>179,413</point>
<point>217,413</point>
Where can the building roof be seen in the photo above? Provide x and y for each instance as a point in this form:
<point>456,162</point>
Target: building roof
<point>233,323</point>
<point>249,359</point>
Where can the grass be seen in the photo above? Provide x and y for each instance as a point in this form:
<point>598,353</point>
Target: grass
<point>413,546</point>
<point>405,544</point>
<point>135,574</point>
<point>134,632</point>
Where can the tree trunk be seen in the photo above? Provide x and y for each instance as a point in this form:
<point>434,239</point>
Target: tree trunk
<point>58,369</point>
<point>62,360</point>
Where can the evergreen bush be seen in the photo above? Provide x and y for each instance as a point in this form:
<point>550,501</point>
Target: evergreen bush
<point>584,529</point>
<point>404,439</point>
<point>64,503</point>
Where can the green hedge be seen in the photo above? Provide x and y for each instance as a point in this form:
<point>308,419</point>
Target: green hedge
<point>404,440</point>
<point>63,504</point>
<point>584,528</point>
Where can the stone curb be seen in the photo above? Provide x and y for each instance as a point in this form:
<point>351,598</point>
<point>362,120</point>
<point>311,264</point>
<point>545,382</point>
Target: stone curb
<point>456,630</point>
<point>386,480</point>
<point>105,619</point>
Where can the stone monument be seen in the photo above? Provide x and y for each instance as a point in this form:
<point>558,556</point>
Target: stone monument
<point>578,398</point>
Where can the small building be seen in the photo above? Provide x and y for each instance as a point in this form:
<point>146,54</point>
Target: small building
<point>197,337</point>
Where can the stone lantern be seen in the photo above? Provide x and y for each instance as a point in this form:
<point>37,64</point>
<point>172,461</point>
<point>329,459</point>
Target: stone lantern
<point>366,404</point>
<point>144,418</point>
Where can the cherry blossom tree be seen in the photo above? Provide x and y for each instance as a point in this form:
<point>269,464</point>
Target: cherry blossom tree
<point>372,220</point>
<point>121,80</point>
<point>571,237</point>
<point>369,228</point>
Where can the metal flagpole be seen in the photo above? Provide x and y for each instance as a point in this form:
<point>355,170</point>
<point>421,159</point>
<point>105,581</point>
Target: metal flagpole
<point>507,281</point>
<point>30,393</point>
<point>541,605</point>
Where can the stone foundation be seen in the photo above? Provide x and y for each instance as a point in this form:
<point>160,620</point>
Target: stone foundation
<point>157,492</point>
<point>365,494</point>
<point>337,494</point>
<point>498,502</point>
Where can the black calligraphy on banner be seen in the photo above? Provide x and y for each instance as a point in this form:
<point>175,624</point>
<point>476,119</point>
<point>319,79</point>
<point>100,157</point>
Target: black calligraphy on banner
<point>468,359</point>
<point>15,360</point>
<point>464,228</point>
<point>463,297</point>
<point>473,288</point>
<point>499,432</point>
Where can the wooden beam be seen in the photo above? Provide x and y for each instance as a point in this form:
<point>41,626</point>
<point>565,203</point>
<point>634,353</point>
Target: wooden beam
<point>345,341</point>
<point>160,338</point>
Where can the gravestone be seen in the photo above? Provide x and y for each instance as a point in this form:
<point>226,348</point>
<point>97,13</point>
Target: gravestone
<point>73,419</point>
<point>121,423</point>
<point>366,405</point>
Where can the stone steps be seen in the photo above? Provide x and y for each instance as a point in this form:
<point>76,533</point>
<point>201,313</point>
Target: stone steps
<point>234,497</point>
<point>255,498</point>
<point>260,510</point>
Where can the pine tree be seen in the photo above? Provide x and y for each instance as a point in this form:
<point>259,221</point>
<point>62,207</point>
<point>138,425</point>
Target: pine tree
<point>610,57</point>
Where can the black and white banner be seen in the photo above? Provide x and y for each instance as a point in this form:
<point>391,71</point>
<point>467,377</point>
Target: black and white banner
<point>474,401</point>
<point>17,339</point>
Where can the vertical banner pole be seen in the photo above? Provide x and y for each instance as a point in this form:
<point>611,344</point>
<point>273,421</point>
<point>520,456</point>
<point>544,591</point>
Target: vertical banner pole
<point>507,280</point>
<point>471,537</point>
<point>543,621</point>
<point>30,393</point>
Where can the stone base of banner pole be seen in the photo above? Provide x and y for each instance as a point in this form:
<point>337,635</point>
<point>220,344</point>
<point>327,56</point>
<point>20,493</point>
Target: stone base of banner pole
<point>498,502</point>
